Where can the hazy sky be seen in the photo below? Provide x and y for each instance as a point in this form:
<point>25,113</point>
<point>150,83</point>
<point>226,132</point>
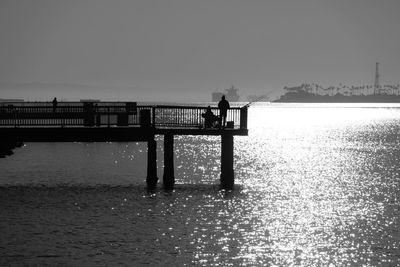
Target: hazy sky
<point>185,49</point>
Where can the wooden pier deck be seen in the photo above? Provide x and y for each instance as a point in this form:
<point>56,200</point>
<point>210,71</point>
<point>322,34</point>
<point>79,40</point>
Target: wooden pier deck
<point>120,121</point>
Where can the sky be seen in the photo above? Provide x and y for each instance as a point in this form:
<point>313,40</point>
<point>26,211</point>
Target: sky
<point>183,50</point>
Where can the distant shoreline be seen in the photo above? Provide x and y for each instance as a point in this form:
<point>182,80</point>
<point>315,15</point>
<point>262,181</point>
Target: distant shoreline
<point>304,97</point>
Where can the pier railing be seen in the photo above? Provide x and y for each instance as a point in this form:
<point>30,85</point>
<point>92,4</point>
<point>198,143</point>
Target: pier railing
<point>111,114</point>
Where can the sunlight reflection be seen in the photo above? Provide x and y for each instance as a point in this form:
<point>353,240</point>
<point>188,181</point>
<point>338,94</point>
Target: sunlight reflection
<point>314,163</point>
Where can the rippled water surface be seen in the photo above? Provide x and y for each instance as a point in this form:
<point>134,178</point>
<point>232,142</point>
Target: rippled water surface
<point>315,185</point>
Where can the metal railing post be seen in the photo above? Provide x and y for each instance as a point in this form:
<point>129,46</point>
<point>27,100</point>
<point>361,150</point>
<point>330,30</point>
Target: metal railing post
<point>153,120</point>
<point>108,116</point>
<point>243,118</point>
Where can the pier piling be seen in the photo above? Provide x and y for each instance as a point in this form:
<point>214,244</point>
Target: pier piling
<point>152,178</point>
<point>168,178</point>
<point>227,174</point>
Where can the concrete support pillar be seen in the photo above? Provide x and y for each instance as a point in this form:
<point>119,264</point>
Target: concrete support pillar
<point>152,178</point>
<point>168,178</point>
<point>227,174</point>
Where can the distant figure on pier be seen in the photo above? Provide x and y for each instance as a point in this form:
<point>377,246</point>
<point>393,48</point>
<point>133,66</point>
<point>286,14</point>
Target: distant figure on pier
<point>55,102</point>
<point>223,106</point>
<point>209,118</point>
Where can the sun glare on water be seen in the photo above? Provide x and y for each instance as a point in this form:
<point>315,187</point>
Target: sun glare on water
<point>313,171</point>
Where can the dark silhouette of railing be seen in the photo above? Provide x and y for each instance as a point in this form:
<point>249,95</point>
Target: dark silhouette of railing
<point>111,114</point>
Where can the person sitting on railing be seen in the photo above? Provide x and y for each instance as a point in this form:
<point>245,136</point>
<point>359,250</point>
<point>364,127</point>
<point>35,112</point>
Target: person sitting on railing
<point>209,118</point>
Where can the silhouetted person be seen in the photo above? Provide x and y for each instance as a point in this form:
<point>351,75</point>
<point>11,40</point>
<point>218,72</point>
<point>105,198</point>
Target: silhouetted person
<point>223,106</point>
<point>55,102</point>
<point>209,118</point>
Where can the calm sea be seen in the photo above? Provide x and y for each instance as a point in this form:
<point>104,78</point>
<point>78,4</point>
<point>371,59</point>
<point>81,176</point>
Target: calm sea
<point>317,185</point>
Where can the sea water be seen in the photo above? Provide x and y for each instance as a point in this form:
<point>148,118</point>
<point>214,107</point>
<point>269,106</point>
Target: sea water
<point>316,185</point>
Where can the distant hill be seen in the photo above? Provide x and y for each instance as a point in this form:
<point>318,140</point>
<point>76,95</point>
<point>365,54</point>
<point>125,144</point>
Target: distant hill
<point>314,93</point>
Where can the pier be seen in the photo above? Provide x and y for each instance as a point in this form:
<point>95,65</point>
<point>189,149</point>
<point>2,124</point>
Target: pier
<point>120,121</point>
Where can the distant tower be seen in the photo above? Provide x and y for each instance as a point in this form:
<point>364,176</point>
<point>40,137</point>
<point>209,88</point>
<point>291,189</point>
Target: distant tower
<point>376,84</point>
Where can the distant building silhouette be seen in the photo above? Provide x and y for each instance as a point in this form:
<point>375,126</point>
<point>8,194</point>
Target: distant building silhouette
<point>231,95</point>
